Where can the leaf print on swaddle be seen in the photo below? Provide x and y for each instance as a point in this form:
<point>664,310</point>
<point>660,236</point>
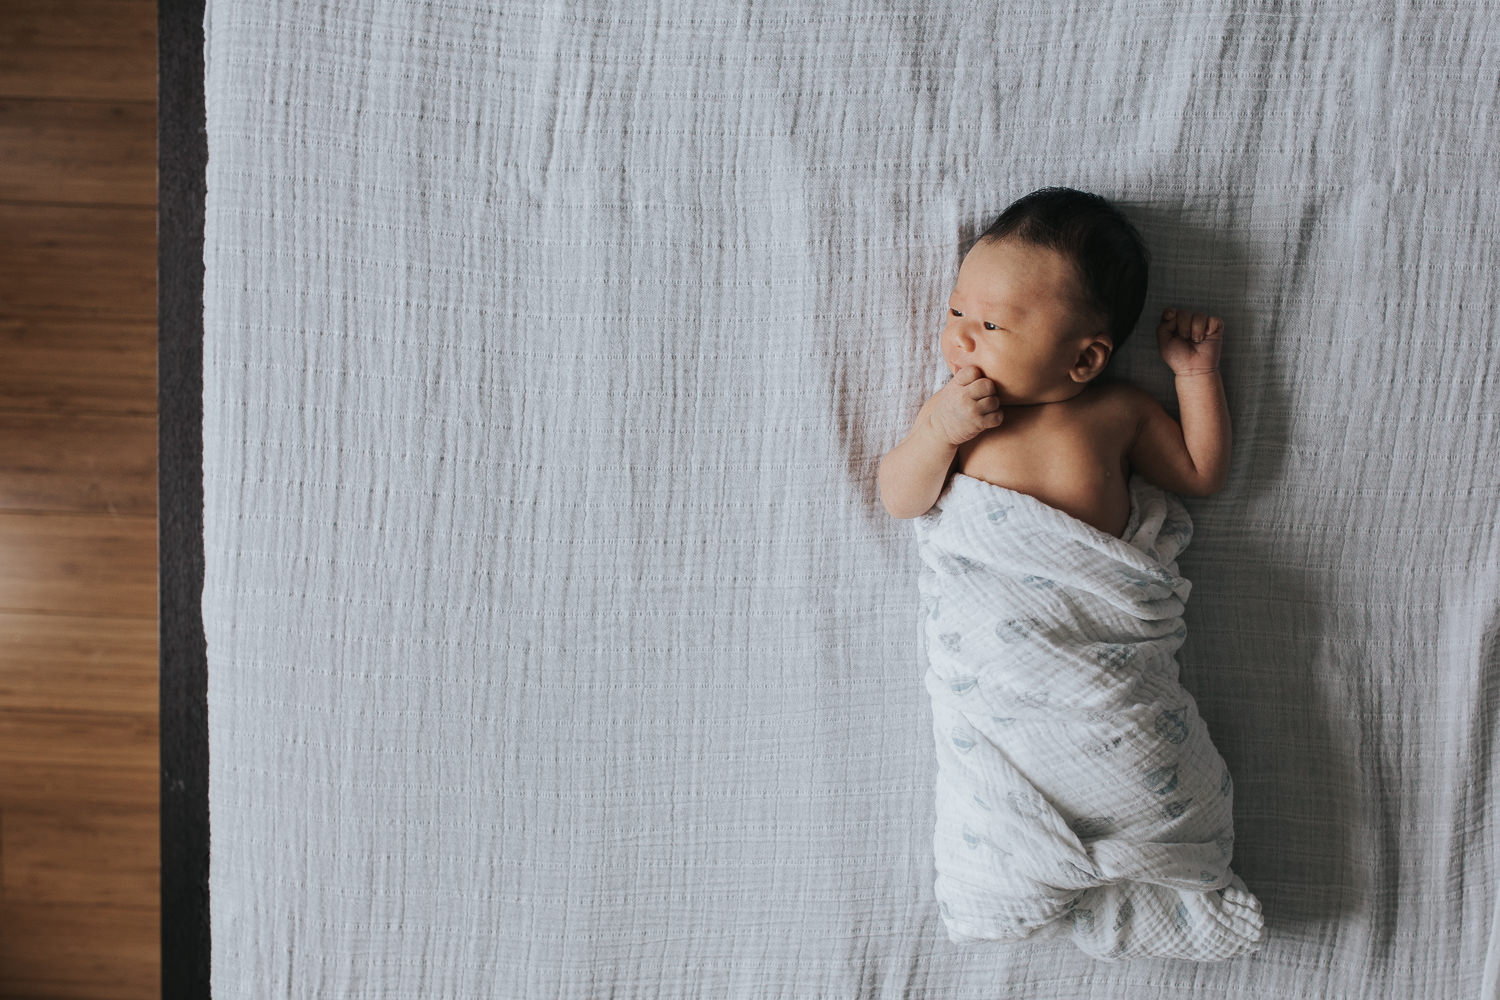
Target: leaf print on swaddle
<point>1034,699</point>
<point>1026,802</point>
<point>1174,809</point>
<point>1114,655</point>
<point>1013,630</point>
<point>957,565</point>
<point>1100,748</point>
<point>1124,913</point>
<point>1171,726</point>
<point>1161,780</point>
<point>977,840</point>
<point>1083,920</point>
<point>1224,841</point>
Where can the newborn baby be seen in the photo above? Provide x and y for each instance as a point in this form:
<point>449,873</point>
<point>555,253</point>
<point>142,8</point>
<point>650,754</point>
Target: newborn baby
<point>1042,302</point>
<point>1077,790</point>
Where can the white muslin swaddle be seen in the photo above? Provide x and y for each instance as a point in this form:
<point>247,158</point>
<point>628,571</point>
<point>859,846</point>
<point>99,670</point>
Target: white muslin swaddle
<point>1078,790</point>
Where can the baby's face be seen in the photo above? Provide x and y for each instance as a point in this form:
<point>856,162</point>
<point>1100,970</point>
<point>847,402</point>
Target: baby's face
<point>1015,314</point>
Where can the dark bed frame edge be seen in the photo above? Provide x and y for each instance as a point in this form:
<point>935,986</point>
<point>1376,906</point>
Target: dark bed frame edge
<point>182,156</point>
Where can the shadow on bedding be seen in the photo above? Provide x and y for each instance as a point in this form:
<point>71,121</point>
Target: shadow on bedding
<point>1252,660</point>
<point>1257,657</point>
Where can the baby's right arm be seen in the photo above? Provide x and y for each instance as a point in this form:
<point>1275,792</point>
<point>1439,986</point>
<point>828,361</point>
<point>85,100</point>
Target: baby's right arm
<point>912,474</point>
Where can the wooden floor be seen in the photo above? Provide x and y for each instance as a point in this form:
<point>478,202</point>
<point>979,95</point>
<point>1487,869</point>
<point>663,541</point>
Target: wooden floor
<point>79,869</point>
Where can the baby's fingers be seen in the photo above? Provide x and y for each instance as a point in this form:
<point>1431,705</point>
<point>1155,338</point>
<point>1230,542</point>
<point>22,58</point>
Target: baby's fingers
<point>1193,326</point>
<point>1201,327</point>
<point>989,412</point>
<point>980,388</point>
<point>966,374</point>
<point>1206,327</point>
<point>987,404</point>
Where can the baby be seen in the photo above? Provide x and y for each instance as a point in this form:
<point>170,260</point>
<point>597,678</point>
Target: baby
<point>1042,302</point>
<point>1077,789</point>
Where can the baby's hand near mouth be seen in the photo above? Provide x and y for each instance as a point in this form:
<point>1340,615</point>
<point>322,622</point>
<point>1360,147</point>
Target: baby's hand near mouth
<point>1190,342</point>
<point>966,407</point>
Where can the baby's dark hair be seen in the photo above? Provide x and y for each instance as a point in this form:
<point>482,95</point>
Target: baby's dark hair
<point>1106,250</point>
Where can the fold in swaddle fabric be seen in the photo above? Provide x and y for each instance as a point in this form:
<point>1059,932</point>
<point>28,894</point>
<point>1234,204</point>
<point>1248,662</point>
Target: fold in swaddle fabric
<point>1077,786</point>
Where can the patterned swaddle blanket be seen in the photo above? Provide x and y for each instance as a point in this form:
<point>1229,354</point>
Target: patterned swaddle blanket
<point>1077,789</point>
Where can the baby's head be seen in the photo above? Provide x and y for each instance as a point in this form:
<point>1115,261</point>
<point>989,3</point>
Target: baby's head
<point>1046,295</point>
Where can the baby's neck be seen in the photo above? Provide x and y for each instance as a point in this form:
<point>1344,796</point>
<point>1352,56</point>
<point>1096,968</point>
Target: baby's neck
<point>1052,399</point>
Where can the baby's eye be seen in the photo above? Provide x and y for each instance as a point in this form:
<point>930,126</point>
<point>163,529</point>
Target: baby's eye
<point>991,326</point>
<point>955,312</point>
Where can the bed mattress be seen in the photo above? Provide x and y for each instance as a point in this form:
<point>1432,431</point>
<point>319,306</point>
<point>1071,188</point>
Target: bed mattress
<point>558,642</point>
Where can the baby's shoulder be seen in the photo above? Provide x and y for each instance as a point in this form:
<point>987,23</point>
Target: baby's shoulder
<point>1117,402</point>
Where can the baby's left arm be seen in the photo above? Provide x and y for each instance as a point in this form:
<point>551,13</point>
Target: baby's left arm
<point>1191,459</point>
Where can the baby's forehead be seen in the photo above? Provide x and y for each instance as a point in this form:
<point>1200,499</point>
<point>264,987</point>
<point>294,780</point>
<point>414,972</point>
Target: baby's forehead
<point>1024,287</point>
<point>1010,274</point>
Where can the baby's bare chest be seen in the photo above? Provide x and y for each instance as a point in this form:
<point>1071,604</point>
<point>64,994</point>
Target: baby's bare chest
<point>1074,463</point>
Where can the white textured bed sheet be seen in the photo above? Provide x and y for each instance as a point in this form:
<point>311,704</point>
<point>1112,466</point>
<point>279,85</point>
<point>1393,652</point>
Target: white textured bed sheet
<point>558,643</point>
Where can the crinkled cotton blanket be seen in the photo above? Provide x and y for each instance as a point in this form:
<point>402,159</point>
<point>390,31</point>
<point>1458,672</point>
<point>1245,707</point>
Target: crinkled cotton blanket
<point>1078,790</point>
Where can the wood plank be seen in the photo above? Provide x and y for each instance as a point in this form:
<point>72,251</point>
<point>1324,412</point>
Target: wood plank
<point>80,774</point>
<point>67,151</point>
<point>99,49</point>
<point>89,261</point>
<point>57,761</point>
<point>67,663</point>
<point>65,364</point>
<point>73,950</point>
<point>79,564</point>
<point>94,854</point>
<point>78,463</point>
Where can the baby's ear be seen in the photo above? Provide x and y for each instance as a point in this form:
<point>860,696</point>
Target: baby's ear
<point>1092,359</point>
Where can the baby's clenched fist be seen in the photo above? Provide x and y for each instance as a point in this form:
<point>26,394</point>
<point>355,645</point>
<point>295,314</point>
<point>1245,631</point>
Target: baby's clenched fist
<point>1190,342</point>
<point>966,407</point>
